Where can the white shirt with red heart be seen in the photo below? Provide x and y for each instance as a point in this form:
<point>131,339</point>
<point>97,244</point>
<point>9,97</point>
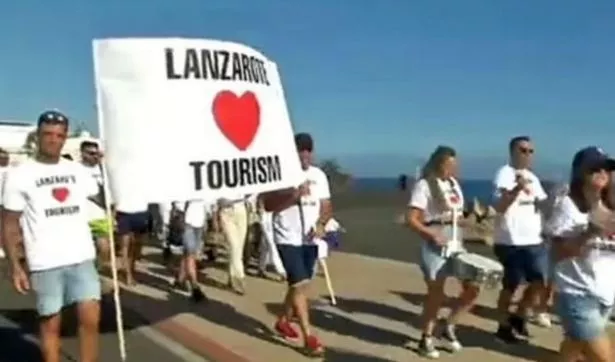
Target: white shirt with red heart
<point>53,201</point>
<point>521,224</point>
<point>423,199</point>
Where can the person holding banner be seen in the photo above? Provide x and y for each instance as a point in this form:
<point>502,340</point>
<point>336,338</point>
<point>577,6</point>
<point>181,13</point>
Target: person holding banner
<point>299,216</point>
<point>44,202</point>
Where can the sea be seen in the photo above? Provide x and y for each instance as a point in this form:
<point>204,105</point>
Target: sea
<point>479,189</point>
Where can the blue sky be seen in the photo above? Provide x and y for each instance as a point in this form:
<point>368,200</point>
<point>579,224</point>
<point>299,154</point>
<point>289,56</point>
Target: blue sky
<point>378,83</point>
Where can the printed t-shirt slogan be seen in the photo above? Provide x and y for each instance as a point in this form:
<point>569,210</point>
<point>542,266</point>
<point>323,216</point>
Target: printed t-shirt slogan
<point>188,118</point>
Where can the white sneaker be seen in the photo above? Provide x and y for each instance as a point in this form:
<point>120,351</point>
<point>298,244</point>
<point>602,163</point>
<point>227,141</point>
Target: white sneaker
<point>449,335</point>
<point>427,348</point>
<point>543,320</point>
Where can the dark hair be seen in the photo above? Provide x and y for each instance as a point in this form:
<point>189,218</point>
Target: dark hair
<point>516,140</point>
<point>575,192</point>
<point>431,169</point>
<point>87,144</point>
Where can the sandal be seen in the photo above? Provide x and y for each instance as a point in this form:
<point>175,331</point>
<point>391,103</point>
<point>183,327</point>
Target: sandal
<point>285,329</point>
<point>313,347</point>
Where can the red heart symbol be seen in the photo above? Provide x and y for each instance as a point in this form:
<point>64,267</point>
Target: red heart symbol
<point>60,193</point>
<point>237,118</point>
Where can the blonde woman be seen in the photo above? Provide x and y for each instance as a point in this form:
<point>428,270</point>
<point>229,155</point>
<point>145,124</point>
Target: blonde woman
<point>435,198</point>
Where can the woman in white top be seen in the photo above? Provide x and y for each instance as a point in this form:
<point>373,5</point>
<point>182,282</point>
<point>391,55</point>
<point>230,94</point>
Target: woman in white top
<point>436,198</point>
<point>582,227</point>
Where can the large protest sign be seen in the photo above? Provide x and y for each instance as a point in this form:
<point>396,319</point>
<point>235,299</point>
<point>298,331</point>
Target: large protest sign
<point>190,118</point>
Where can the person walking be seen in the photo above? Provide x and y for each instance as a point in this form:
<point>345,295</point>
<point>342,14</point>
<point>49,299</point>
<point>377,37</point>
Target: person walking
<point>234,222</point>
<point>45,200</point>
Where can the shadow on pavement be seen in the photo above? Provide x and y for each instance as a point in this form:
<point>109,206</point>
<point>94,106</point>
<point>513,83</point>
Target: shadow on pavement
<point>469,335</point>
<point>16,348</point>
<point>478,310</point>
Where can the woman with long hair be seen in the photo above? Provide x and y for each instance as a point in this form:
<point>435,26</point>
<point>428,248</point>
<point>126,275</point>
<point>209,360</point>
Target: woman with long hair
<point>582,226</point>
<point>436,199</point>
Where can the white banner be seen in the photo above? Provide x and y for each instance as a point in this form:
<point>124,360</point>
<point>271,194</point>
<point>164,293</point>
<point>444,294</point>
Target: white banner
<point>191,118</point>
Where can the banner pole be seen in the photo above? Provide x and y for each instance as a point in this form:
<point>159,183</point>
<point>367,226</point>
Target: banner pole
<point>116,286</point>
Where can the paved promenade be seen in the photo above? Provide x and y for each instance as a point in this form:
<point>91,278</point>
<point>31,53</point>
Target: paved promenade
<point>375,320</point>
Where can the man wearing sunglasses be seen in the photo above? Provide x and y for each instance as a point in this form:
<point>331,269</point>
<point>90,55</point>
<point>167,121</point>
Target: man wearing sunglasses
<point>299,217</point>
<point>90,159</point>
<point>519,197</point>
<point>44,203</point>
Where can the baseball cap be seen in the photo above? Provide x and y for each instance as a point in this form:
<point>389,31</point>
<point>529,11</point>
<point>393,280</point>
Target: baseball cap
<point>591,159</point>
<point>52,117</point>
<point>304,142</point>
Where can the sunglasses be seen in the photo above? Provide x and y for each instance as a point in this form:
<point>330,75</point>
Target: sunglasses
<point>91,153</point>
<point>527,151</point>
<point>52,118</point>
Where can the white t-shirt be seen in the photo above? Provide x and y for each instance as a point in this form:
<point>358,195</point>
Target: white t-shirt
<point>592,274</point>
<point>423,199</point>
<point>196,212</point>
<point>290,226</point>
<point>131,205</point>
<point>94,211</point>
<point>53,200</point>
<point>521,224</point>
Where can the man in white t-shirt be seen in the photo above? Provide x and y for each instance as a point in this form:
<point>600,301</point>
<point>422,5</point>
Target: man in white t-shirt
<point>90,159</point>
<point>519,201</point>
<point>4,164</point>
<point>299,216</point>
<point>44,202</point>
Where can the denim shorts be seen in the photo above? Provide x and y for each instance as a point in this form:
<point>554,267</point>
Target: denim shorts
<point>522,263</point>
<point>133,223</point>
<point>433,264</point>
<point>192,240</point>
<point>583,317</point>
<point>62,286</point>
<point>298,261</point>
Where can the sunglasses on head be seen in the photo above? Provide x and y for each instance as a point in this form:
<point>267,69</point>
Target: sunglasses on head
<point>53,118</point>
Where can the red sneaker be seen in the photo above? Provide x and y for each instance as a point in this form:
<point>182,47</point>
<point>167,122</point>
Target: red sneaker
<point>313,347</point>
<point>285,329</point>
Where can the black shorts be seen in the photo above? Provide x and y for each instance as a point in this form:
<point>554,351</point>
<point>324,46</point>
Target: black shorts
<point>298,261</point>
<point>133,223</point>
<point>521,263</point>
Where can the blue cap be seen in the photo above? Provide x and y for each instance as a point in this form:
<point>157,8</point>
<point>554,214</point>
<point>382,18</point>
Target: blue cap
<point>591,159</point>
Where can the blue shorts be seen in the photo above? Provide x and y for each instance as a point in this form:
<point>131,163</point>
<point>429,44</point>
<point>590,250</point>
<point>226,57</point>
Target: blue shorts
<point>60,287</point>
<point>192,240</point>
<point>583,317</point>
<point>522,263</point>
<point>132,223</point>
<point>298,261</point>
<point>433,264</point>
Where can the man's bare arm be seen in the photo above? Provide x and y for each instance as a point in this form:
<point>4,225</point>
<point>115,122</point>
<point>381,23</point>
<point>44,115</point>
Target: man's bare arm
<point>279,200</point>
<point>326,212</point>
<point>12,236</point>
